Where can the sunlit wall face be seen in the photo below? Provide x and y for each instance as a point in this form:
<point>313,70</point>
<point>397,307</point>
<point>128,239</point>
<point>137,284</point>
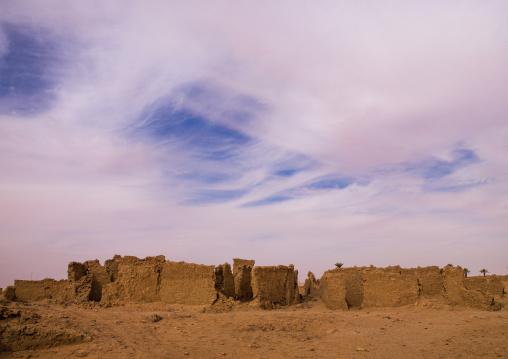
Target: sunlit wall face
<point>311,134</point>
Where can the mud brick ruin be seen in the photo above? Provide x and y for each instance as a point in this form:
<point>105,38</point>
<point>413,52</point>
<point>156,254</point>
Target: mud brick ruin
<point>155,279</point>
<point>368,287</point>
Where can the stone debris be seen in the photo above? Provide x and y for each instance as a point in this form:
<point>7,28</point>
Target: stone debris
<point>155,318</point>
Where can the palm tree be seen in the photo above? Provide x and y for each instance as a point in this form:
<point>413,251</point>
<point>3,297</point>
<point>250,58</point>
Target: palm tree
<point>466,271</point>
<point>449,265</point>
<point>339,265</point>
<point>484,271</point>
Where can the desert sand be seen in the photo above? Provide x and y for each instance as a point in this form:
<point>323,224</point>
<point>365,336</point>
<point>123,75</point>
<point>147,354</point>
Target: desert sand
<point>45,329</point>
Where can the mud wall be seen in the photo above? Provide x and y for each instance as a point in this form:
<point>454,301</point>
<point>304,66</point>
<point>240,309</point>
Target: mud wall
<point>389,287</point>
<point>277,285</point>
<point>9,293</point>
<point>367,287</point>
<point>138,280</point>
<point>153,279</point>
<point>28,290</point>
<point>224,280</point>
<point>492,285</point>
<point>430,280</point>
<point>332,290</point>
<point>76,271</point>
<point>187,283</point>
<point>353,285</point>
<point>243,283</point>
<point>238,262</point>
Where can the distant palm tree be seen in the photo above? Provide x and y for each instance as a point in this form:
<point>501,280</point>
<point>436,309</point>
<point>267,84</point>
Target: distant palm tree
<point>466,271</point>
<point>484,271</point>
<point>339,265</point>
<point>449,265</point>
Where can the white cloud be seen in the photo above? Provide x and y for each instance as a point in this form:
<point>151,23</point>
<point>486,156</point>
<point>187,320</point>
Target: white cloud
<point>338,89</point>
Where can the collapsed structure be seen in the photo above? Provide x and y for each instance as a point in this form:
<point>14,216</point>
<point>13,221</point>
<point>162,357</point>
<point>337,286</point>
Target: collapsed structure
<point>368,287</point>
<point>155,279</point>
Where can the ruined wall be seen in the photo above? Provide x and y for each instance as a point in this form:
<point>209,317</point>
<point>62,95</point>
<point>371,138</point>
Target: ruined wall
<point>453,279</point>
<point>75,271</point>
<point>243,283</point>
<point>389,287</point>
<point>332,290</point>
<point>487,285</point>
<point>353,284</point>
<point>28,290</point>
<point>138,280</point>
<point>9,293</point>
<point>277,285</point>
<point>310,285</point>
<point>224,280</point>
<point>187,283</point>
<point>504,281</point>
<point>430,280</point>
<point>292,290</point>
<point>242,272</point>
<point>100,277</point>
<point>237,263</point>
<point>111,266</point>
<point>153,279</point>
<point>87,280</point>
<point>366,287</point>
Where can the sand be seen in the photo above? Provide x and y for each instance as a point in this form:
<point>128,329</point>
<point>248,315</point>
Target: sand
<point>50,330</point>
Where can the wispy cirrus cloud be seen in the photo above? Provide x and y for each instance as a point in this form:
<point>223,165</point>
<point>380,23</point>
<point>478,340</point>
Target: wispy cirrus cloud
<point>302,133</point>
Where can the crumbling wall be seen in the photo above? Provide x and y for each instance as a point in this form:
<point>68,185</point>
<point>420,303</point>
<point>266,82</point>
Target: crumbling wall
<point>100,277</point>
<point>393,286</point>
<point>311,283</point>
<point>453,281</point>
<point>28,290</point>
<point>83,289</point>
<point>364,287</point>
<point>292,290</point>
<point>9,293</point>
<point>487,285</point>
<point>430,280</point>
<point>138,280</point>
<point>339,288</point>
<point>243,283</point>
<point>389,287</point>
<point>242,273</point>
<point>76,270</point>
<point>187,283</point>
<point>111,266</point>
<point>87,280</point>
<point>224,280</point>
<point>332,290</point>
<point>353,283</point>
<point>277,285</point>
<point>237,263</point>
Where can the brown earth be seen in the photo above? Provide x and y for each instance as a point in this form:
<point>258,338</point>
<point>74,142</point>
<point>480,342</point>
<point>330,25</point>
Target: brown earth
<point>229,329</point>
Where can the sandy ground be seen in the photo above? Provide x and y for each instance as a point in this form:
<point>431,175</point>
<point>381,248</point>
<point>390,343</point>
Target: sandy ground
<point>308,330</point>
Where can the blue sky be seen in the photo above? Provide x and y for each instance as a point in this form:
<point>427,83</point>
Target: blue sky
<point>311,134</point>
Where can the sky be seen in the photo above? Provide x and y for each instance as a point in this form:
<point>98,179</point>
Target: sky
<point>289,132</point>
